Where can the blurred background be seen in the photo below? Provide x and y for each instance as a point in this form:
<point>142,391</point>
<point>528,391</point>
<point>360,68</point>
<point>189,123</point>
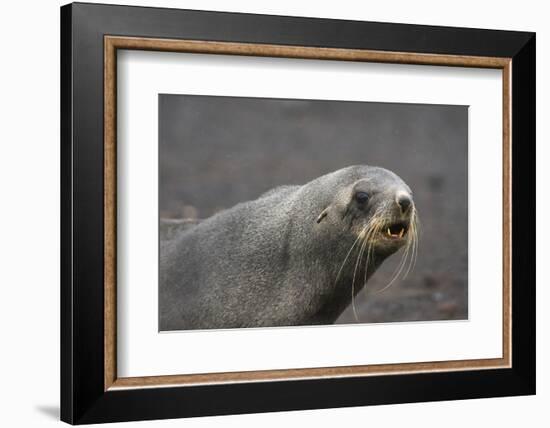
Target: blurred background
<point>218,151</point>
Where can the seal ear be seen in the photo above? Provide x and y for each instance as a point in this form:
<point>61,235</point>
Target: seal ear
<point>323,214</point>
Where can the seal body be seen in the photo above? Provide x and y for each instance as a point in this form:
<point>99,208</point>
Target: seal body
<point>293,256</point>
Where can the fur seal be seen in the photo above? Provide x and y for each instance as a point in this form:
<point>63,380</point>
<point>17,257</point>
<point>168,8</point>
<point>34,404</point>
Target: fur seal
<point>297,255</point>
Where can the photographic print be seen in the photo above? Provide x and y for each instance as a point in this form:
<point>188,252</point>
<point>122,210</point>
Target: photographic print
<point>289,212</point>
<point>309,196</point>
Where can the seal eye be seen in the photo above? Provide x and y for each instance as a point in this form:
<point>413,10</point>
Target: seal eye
<point>362,197</point>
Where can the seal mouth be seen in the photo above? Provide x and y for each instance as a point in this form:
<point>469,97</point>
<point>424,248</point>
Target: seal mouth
<point>397,230</point>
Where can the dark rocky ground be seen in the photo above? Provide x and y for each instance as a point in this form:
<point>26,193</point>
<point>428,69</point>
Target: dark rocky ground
<point>218,151</point>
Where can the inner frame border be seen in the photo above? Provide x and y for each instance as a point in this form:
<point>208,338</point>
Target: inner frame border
<point>113,43</point>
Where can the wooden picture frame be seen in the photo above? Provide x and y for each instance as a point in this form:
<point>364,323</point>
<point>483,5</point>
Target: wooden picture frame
<point>91,390</point>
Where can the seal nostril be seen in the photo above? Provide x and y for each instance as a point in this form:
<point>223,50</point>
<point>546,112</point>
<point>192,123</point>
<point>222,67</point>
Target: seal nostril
<point>404,202</point>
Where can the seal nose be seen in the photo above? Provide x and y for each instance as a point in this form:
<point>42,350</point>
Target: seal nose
<point>404,201</point>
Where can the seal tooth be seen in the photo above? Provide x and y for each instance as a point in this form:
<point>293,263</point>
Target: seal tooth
<point>401,233</point>
<point>389,231</point>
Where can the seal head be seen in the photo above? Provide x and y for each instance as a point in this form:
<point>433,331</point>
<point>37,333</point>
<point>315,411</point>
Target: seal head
<point>374,214</point>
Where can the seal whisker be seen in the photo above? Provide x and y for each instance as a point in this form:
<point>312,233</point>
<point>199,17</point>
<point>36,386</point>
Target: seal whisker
<point>359,257</point>
<point>414,238</point>
<point>369,251</point>
<point>397,271</point>
<point>369,229</point>
<point>375,224</point>
<point>411,247</point>
<point>349,252</point>
<point>376,229</point>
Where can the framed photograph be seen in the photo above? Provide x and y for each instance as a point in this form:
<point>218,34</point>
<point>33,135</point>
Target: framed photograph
<point>265,213</point>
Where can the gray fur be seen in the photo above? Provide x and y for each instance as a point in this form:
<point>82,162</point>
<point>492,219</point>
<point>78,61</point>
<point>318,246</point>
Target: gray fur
<point>269,261</point>
<point>172,228</point>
